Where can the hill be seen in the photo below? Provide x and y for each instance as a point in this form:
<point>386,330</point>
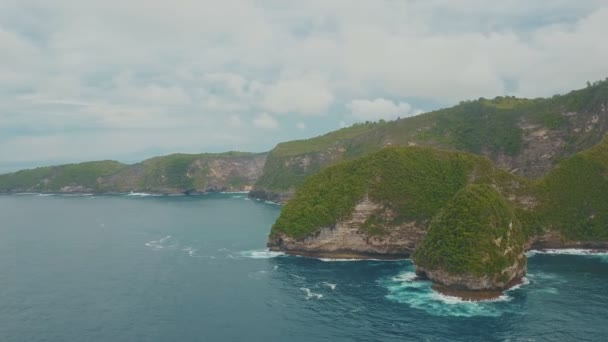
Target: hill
<point>176,173</point>
<point>465,222</point>
<point>525,136</point>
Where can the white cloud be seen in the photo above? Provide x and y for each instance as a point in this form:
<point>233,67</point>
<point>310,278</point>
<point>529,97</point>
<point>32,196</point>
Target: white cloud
<point>107,66</point>
<point>265,121</point>
<point>301,126</point>
<point>308,95</point>
<point>373,110</point>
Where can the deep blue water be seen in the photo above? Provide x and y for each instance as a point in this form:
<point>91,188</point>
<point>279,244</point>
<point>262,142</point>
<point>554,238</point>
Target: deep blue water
<point>112,268</point>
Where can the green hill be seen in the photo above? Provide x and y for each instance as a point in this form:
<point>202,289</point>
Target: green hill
<point>466,222</point>
<point>176,173</point>
<point>528,136</point>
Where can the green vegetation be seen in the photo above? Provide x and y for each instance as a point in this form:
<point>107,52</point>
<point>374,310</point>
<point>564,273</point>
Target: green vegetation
<point>491,127</point>
<point>575,195</point>
<point>172,173</point>
<point>477,232</point>
<point>413,182</point>
<point>473,211</point>
<point>54,178</point>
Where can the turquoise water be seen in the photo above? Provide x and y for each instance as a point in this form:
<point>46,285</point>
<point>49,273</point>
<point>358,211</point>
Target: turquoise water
<point>128,268</point>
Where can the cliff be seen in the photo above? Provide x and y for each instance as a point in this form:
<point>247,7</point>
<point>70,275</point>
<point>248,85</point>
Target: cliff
<point>525,136</point>
<point>176,173</point>
<point>465,222</point>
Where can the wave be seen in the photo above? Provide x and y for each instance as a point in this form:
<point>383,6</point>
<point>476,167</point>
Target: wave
<point>261,254</point>
<point>310,294</point>
<point>142,194</point>
<point>566,251</point>
<point>271,202</point>
<point>602,255</point>
<point>524,281</point>
<point>355,259</point>
<point>404,288</point>
<point>330,285</point>
<point>191,251</point>
<point>161,243</point>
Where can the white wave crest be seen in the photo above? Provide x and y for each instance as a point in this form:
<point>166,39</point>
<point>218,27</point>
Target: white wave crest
<point>190,250</point>
<point>404,288</point>
<point>566,251</point>
<point>261,254</point>
<point>142,194</point>
<point>330,285</point>
<point>161,243</point>
<point>355,259</point>
<point>524,281</point>
<point>310,294</point>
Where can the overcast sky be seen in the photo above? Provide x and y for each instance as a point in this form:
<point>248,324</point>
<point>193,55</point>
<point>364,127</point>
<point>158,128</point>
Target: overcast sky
<point>129,79</point>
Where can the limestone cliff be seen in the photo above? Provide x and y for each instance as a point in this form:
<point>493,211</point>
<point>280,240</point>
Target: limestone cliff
<point>347,238</point>
<point>522,136</point>
<point>173,174</point>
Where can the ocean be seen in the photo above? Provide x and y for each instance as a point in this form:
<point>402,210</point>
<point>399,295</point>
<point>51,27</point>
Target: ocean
<point>159,268</point>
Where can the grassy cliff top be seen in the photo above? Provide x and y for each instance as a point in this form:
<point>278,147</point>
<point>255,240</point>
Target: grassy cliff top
<point>53,178</point>
<point>170,171</point>
<point>493,127</point>
<point>414,182</point>
<point>575,195</point>
<point>477,232</point>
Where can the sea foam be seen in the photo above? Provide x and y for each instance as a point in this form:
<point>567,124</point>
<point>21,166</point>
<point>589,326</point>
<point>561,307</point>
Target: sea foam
<point>404,288</point>
<point>310,294</point>
<point>261,254</point>
<point>161,243</point>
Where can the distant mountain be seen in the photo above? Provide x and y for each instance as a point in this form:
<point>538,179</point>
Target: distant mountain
<point>176,173</point>
<point>524,136</point>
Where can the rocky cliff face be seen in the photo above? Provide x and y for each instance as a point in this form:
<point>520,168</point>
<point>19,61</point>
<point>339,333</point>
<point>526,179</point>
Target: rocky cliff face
<point>348,238</point>
<point>173,174</point>
<point>507,277</point>
<point>525,137</point>
<point>197,175</point>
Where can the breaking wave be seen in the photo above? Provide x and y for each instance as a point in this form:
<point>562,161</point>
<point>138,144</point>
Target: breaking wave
<point>165,242</point>
<point>310,294</point>
<point>404,288</point>
<point>261,254</point>
<point>142,194</point>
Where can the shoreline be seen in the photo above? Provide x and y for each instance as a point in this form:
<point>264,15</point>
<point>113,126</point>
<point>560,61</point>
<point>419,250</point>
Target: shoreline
<point>555,250</point>
<point>476,296</point>
<point>465,295</point>
<point>341,255</point>
<point>114,193</point>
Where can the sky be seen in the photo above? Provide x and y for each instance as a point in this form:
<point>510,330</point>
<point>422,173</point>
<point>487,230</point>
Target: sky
<point>131,79</point>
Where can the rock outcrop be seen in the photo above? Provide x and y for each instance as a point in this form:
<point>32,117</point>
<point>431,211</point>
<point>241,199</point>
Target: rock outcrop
<point>348,238</point>
<point>173,174</point>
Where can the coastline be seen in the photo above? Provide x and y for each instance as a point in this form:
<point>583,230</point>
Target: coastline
<point>462,294</point>
<point>116,193</point>
<point>341,255</point>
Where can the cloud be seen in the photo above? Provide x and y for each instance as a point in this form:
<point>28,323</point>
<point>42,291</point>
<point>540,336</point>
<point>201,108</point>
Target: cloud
<point>265,121</point>
<point>72,70</point>
<point>308,95</point>
<point>374,110</point>
<point>301,126</point>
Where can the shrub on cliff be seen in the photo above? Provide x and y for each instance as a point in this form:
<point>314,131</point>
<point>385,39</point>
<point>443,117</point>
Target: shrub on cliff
<point>476,233</point>
<point>413,182</point>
